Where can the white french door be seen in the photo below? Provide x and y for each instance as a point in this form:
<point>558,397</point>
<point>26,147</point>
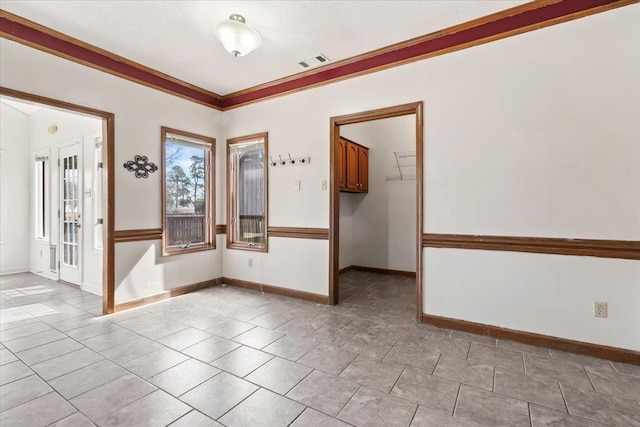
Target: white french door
<point>70,213</point>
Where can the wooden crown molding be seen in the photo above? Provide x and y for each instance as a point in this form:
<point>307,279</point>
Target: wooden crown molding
<point>624,249</point>
<point>517,20</point>
<point>21,30</point>
<point>299,232</point>
<point>604,352</point>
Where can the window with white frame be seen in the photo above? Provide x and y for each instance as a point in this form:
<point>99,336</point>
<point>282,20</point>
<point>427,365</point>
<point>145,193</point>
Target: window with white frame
<point>42,193</point>
<point>98,170</point>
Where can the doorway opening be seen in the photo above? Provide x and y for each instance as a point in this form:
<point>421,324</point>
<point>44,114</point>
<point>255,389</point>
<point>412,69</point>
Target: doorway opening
<point>348,168</point>
<point>64,161</point>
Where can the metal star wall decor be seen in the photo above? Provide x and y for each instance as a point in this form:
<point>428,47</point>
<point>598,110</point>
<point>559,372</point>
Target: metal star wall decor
<point>141,166</point>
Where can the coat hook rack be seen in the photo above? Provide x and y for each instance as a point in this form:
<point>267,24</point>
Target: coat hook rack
<point>289,161</point>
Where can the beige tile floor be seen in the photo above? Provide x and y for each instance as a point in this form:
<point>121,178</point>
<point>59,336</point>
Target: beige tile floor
<point>227,356</point>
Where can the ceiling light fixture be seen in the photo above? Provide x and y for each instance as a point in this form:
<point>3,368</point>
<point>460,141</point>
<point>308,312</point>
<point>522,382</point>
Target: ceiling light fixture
<point>237,37</point>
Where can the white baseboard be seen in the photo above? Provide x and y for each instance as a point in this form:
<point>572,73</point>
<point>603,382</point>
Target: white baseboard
<point>13,270</point>
<point>48,274</point>
<point>91,288</point>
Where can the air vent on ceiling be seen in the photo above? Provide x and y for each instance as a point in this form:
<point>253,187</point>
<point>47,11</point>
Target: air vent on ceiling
<point>314,61</point>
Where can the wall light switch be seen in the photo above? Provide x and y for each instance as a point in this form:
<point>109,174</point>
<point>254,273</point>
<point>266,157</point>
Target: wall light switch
<point>323,185</point>
<point>296,185</point>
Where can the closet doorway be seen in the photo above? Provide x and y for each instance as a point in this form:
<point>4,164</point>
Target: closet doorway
<point>360,158</point>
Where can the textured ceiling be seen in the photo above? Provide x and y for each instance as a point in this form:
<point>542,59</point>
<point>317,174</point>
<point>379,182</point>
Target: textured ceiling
<point>177,37</point>
<point>26,108</point>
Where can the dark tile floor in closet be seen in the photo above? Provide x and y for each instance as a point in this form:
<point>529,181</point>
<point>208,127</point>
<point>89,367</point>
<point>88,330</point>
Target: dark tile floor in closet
<point>228,356</point>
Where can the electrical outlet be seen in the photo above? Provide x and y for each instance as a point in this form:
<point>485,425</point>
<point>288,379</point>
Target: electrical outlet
<point>599,309</point>
<point>250,262</point>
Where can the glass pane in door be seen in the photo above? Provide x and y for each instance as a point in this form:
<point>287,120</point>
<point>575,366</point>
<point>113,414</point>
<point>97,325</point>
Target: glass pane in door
<point>70,211</point>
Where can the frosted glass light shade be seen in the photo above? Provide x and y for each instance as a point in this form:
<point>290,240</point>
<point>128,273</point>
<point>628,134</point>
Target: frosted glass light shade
<point>238,38</point>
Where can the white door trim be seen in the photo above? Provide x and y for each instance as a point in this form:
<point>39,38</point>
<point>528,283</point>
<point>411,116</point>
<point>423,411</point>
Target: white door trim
<point>70,199</point>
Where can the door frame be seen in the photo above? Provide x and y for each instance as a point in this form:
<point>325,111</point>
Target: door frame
<point>334,198</point>
<point>108,194</point>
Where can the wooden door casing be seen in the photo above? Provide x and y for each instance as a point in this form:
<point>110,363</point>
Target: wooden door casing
<point>342,164</point>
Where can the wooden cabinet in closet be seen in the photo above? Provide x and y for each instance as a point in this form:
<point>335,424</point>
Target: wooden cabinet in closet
<point>353,167</point>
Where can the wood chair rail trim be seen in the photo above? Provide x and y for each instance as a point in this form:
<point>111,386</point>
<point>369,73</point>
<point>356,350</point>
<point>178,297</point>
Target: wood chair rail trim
<point>625,249</point>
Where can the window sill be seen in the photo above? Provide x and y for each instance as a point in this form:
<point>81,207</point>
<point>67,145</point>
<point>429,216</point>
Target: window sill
<point>247,247</point>
<point>194,248</point>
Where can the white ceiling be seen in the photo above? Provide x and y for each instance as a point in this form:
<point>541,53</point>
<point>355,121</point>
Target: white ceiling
<point>177,37</point>
<point>25,108</point>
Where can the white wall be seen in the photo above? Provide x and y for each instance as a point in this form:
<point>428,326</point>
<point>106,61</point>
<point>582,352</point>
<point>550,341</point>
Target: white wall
<point>346,230</point>
<point>537,144</point>
<point>291,263</point>
<point>384,219</point>
<point>71,127</point>
<point>14,185</point>
<point>142,270</point>
<point>139,114</point>
<point>540,293</point>
<point>533,135</point>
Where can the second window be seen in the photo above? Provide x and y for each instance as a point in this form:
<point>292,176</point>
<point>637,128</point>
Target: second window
<point>247,192</point>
